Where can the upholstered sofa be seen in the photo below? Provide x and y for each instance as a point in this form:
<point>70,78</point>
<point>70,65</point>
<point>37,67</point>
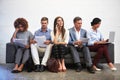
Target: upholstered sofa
<point>11,50</point>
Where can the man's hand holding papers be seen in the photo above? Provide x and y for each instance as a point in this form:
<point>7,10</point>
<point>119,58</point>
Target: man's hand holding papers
<point>41,41</point>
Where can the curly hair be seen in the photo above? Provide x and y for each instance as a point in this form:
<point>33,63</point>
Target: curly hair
<point>21,21</point>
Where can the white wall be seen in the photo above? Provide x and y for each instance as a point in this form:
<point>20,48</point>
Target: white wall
<point>33,10</point>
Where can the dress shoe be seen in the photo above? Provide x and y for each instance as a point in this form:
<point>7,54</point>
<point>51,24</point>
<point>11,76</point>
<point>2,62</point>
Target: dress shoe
<point>37,68</point>
<point>42,68</point>
<point>79,69</point>
<point>90,70</point>
<point>78,64</point>
<point>14,71</point>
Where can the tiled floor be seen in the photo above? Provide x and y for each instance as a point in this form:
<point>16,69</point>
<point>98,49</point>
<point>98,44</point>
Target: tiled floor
<point>70,74</point>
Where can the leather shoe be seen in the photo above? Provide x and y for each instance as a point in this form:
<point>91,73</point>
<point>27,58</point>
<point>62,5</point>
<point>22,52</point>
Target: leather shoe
<point>42,68</point>
<point>90,70</point>
<point>37,68</point>
<point>79,69</point>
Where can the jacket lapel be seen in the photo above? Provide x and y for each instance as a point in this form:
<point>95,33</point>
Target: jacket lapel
<point>81,33</point>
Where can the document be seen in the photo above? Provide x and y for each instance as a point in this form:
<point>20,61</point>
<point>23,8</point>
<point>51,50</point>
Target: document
<point>84,40</point>
<point>20,41</point>
<point>40,41</point>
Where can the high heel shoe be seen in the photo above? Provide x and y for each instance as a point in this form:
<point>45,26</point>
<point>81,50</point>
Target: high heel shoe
<point>64,70</point>
<point>14,71</point>
<point>113,69</point>
<point>59,69</point>
<point>97,69</point>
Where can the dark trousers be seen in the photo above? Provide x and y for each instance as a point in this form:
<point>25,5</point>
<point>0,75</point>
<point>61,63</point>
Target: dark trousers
<point>76,56</point>
<point>101,51</point>
<point>59,51</point>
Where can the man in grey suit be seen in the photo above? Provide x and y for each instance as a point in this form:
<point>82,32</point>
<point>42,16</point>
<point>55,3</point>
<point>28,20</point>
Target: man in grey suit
<point>76,45</point>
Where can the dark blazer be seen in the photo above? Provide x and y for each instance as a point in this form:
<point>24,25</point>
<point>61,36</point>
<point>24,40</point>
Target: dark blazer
<point>72,35</point>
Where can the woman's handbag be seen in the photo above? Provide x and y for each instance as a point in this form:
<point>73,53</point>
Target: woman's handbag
<point>53,65</point>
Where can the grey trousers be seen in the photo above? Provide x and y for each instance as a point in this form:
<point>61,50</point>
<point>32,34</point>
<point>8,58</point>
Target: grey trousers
<point>22,55</point>
<point>86,54</point>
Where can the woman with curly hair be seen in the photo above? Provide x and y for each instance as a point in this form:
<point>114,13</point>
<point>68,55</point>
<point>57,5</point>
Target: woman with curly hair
<point>22,53</point>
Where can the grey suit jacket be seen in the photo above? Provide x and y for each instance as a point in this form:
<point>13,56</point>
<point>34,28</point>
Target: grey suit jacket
<point>72,34</point>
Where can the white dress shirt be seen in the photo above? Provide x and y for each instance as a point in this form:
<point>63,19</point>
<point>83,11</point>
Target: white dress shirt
<point>77,34</point>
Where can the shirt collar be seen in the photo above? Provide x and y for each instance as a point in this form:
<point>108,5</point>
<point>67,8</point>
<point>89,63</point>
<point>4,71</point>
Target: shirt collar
<point>75,29</point>
<point>94,30</point>
<point>42,31</point>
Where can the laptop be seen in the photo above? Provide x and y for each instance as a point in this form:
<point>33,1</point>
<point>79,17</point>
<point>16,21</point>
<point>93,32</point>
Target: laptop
<point>111,37</point>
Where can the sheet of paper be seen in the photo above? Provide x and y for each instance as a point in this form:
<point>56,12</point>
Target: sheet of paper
<point>40,41</point>
<point>84,40</point>
<point>20,41</point>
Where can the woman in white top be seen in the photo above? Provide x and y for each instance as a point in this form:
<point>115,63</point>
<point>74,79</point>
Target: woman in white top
<point>98,44</point>
<point>60,38</point>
